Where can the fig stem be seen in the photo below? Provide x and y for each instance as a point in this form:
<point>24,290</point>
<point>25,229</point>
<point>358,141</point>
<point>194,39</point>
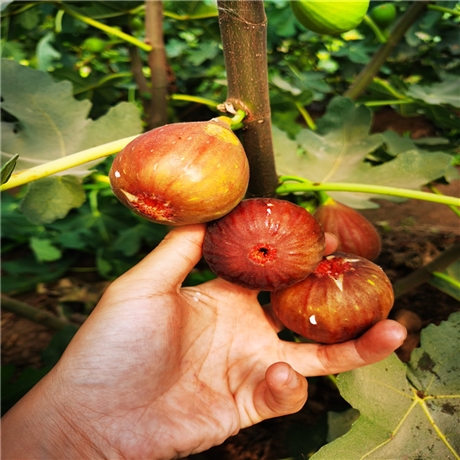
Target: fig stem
<point>67,162</point>
<point>324,198</point>
<point>304,185</point>
<point>375,28</point>
<point>197,99</point>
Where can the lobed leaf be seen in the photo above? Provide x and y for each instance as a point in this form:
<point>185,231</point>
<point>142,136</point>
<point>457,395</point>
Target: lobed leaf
<point>409,412</point>
<point>51,123</point>
<point>339,150</point>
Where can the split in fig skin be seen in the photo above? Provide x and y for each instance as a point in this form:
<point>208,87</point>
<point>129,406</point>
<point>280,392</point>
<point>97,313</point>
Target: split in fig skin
<point>343,297</point>
<point>264,244</point>
<point>355,233</point>
<point>182,173</point>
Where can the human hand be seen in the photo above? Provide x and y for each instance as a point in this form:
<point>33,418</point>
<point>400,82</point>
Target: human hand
<point>159,371</point>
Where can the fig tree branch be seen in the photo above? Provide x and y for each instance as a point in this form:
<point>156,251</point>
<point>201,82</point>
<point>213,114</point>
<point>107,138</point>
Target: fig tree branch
<point>157,111</point>
<point>34,314</point>
<point>367,74</point>
<point>425,273</point>
<point>243,27</point>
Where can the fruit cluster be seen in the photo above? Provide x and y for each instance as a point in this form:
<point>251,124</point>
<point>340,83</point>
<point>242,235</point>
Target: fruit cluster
<point>198,172</point>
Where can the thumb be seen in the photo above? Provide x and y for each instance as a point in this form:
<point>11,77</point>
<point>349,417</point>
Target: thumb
<point>172,260</point>
<point>284,391</point>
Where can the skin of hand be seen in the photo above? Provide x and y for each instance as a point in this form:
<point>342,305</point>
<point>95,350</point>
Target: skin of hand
<point>159,371</point>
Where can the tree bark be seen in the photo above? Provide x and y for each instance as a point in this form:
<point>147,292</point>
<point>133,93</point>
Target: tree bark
<point>243,26</point>
<point>157,63</point>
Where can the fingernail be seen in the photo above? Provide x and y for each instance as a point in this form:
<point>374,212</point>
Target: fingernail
<point>292,381</point>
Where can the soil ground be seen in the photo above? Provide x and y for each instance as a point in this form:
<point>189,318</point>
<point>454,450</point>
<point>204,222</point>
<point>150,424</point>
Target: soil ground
<point>413,234</point>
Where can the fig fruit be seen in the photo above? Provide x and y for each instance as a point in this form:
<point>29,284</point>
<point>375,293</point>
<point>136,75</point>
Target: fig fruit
<point>383,14</point>
<point>355,233</point>
<point>264,244</point>
<point>340,300</point>
<point>329,17</point>
<point>182,173</point>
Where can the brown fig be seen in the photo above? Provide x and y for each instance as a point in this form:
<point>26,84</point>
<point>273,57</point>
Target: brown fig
<point>264,244</point>
<point>343,297</point>
<point>182,173</point>
<point>355,233</point>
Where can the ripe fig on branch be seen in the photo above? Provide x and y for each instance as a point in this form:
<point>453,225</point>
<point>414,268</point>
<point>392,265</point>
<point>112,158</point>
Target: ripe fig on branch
<point>264,244</point>
<point>340,300</point>
<point>182,173</point>
<point>355,233</point>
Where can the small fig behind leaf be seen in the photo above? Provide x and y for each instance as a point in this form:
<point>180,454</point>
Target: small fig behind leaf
<point>355,233</point>
<point>340,300</point>
<point>264,244</point>
<point>182,173</point>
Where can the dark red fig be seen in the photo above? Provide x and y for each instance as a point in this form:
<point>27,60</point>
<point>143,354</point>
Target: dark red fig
<point>264,244</point>
<point>182,173</point>
<point>339,301</point>
<point>355,233</point>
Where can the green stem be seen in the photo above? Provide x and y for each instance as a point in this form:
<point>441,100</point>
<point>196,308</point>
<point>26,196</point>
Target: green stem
<point>388,102</point>
<point>442,9</point>
<point>448,279</point>
<point>375,28</point>
<point>102,81</point>
<point>387,87</point>
<point>67,162</point>
<point>362,81</point>
<point>438,192</point>
<point>105,28</point>
<point>306,116</point>
<point>323,197</point>
<point>197,99</point>
<point>304,185</point>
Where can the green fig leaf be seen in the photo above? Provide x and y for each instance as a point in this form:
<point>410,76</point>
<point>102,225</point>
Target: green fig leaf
<point>338,150</point>
<point>8,168</point>
<point>51,123</point>
<point>408,411</point>
<point>445,92</point>
<point>52,198</point>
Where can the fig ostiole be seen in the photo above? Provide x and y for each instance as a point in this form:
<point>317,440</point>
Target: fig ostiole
<point>343,297</point>
<point>355,233</point>
<point>264,244</point>
<point>182,173</point>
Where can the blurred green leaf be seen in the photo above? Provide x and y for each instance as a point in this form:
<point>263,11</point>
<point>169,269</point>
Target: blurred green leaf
<point>448,280</point>
<point>412,411</point>
<point>445,92</point>
<point>44,249</point>
<point>51,123</point>
<point>186,10</point>
<point>8,168</point>
<point>52,198</point>
<point>338,150</point>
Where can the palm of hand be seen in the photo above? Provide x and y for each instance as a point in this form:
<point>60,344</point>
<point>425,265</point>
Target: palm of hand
<point>164,371</point>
